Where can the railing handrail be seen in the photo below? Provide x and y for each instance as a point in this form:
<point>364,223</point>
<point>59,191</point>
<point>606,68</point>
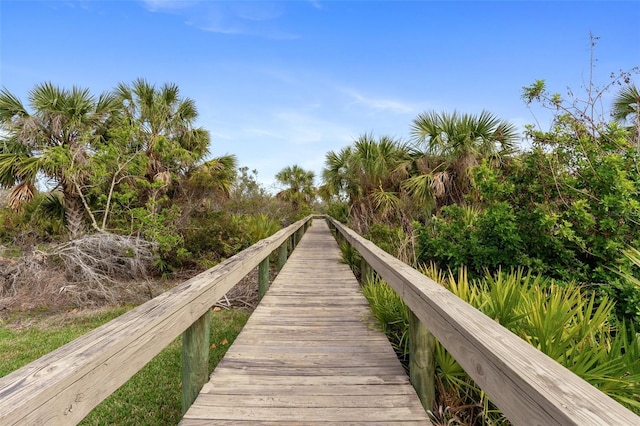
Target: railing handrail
<point>63,386</point>
<point>528,386</point>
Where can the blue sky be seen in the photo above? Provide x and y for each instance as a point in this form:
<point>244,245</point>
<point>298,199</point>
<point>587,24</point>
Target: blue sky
<point>279,83</point>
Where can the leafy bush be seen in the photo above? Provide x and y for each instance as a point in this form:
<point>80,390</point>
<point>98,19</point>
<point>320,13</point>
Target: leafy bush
<point>339,211</point>
<point>212,236</point>
<point>388,238</point>
<point>40,220</point>
<point>460,235</point>
<point>254,228</point>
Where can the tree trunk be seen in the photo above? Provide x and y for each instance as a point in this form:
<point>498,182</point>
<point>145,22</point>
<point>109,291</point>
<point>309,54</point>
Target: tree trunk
<point>73,211</point>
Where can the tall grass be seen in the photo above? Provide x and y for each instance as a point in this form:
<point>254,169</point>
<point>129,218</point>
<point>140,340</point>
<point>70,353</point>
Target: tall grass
<point>391,314</point>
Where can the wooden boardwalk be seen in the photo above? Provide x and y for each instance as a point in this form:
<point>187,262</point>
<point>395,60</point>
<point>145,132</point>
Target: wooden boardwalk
<point>309,354</point>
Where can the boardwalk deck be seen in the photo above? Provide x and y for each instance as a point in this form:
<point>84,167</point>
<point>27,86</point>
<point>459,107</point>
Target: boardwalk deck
<point>309,354</point>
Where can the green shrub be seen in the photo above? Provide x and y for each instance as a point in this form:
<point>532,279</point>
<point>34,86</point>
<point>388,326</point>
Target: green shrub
<point>564,322</point>
<point>391,314</point>
<point>212,236</point>
<point>351,257</point>
<point>40,220</point>
<point>339,211</point>
<point>254,228</point>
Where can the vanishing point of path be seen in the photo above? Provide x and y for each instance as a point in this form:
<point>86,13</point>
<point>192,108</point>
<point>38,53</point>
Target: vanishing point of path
<point>309,354</point>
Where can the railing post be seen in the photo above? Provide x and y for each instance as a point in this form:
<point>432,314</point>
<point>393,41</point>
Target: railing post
<point>421,361</point>
<point>195,359</point>
<point>366,272</point>
<point>282,255</point>
<point>263,278</point>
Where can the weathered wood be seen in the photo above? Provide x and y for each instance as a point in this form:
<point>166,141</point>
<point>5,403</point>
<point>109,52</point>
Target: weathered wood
<point>195,359</point>
<point>282,256</point>
<point>366,272</point>
<point>422,368</point>
<point>307,414</point>
<point>292,401</point>
<point>299,233</point>
<point>527,385</point>
<point>263,278</point>
<point>64,385</point>
<point>310,353</point>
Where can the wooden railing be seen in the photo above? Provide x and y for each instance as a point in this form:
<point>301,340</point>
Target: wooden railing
<point>529,387</point>
<point>65,385</point>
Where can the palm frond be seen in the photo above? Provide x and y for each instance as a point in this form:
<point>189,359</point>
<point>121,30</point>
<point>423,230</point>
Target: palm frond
<point>21,194</point>
<point>420,188</point>
<point>626,105</point>
<point>10,107</point>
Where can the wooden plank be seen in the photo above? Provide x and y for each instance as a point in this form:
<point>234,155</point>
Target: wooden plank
<point>318,401</point>
<point>528,386</point>
<point>201,422</point>
<point>309,391</point>
<point>310,353</point>
<point>291,371</point>
<point>306,414</point>
<point>373,360</point>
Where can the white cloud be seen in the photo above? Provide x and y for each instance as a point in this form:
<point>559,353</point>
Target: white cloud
<point>257,11</point>
<point>157,5</point>
<point>316,4</point>
<point>226,17</point>
<point>380,104</point>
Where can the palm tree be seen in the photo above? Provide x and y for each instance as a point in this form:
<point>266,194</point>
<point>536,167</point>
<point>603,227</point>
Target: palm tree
<point>300,190</point>
<point>54,140</point>
<point>367,174</point>
<point>164,124</point>
<point>626,108</point>
<point>210,182</point>
<point>458,142</point>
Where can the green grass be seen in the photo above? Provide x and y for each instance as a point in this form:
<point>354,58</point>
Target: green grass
<point>152,396</point>
<point>32,337</point>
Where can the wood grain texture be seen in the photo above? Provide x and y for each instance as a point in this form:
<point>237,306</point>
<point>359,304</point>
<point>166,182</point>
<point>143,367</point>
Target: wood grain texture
<point>422,367</point>
<point>309,354</point>
<point>64,385</point>
<point>527,385</point>
<point>195,359</point>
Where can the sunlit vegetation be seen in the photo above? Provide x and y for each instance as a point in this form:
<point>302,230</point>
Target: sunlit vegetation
<point>562,321</point>
<point>543,239</point>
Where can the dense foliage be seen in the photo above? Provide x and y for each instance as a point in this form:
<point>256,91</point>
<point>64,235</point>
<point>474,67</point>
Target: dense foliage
<point>129,163</point>
<point>561,321</point>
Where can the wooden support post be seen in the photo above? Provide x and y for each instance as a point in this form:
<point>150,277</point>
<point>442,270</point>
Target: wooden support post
<point>282,255</point>
<point>337,235</point>
<point>422,361</point>
<point>195,359</point>
<point>366,272</point>
<point>263,278</point>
